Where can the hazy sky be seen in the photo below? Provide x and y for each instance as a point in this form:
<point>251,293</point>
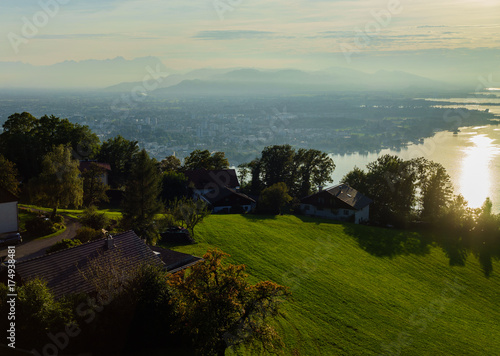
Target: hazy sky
<point>306,34</point>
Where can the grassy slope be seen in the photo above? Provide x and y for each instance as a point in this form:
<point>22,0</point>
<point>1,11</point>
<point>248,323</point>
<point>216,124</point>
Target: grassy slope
<point>347,301</point>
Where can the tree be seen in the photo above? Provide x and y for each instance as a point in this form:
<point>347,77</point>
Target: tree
<point>274,198</point>
<point>358,179</point>
<point>170,163</point>
<point>59,184</point>
<point>174,186</point>
<point>119,153</point>
<point>217,306</point>
<point>277,165</point>
<point>203,159</point>
<point>314,168</point>
<point>189,213</point>
<point>94,189</point>
<point>435,189</point>
<point>26,140</point>
<point>8,176</point>
<point>141,199</point>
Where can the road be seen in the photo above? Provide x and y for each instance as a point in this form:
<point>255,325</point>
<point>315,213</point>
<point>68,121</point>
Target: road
<point>36,248</point>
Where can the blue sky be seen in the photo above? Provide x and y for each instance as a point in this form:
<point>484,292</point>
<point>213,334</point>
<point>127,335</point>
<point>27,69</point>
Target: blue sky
<point>304,34</point>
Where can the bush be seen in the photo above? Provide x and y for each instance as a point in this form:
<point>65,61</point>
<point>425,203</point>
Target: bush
<point>86,234</point>
<point>58,219</point>
<point>40,226</point>
<point>91,218</point>
<point>64,244</point>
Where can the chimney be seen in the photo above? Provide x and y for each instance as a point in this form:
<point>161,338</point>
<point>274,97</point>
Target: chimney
<point>109,244</point>
<point>320,188</point>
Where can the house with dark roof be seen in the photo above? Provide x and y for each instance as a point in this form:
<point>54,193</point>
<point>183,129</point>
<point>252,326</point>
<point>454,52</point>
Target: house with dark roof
<point>104,167</point>
<point>340,202</point>
<point>220,190</point>
<point>65,271</point>
<point>8,211</point>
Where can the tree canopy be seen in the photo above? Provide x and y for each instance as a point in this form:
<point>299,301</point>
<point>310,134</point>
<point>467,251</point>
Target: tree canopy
<point>119,153</point>
<point>302,171</point>
<point>26,140</point>
<point>204,159</point>
<point>9,176</point>
<point>218,308</point>
<point>59,184</point>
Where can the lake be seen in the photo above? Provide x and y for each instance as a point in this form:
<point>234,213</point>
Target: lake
<point>471,158</point>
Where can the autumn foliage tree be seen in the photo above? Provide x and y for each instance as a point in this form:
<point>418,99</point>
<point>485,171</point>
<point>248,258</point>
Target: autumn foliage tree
<point>218,308</point>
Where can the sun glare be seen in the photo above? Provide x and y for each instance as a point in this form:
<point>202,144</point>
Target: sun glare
<point>476,179</point>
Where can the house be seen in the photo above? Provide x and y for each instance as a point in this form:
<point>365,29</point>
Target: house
<point>64,271</point>
<point>219,189</point>
<point>340,202</point>
<point>8,211</point>
<point>105,168</point>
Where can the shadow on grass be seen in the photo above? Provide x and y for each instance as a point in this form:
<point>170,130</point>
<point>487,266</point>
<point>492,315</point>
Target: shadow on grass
<point>382,242</point>
<point>317,221</point>
<point>258,217</point>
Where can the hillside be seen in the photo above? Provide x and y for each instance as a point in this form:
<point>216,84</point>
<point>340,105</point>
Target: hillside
<point>347,301</point>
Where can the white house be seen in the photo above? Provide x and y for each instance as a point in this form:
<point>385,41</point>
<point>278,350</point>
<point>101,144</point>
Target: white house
<point>8,212</point>
<point>340,202</point>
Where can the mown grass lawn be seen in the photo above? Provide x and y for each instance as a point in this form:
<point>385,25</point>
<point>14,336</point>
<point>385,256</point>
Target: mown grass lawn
<point>348,300</point>
<point>76,213</point>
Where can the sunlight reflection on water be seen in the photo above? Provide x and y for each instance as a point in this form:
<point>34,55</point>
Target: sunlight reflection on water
<point>476,171</point>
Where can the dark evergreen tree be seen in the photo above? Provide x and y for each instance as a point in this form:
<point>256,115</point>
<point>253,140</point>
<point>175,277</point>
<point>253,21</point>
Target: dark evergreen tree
<point>141,199</point>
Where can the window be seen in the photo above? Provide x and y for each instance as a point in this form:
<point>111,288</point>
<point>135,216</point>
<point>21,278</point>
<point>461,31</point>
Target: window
<point>346,212</point>
<point>306,207</point>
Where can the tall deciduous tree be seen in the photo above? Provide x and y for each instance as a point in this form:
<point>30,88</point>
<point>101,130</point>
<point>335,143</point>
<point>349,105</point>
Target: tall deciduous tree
<point>59,184</point>
<point>277,165</point>
<point>141,199</point>
<point>94,189</point>
<point>217,306</point>
<point>119,153</point>
<point>315,168</point>
<point>204,159</point>
<point>8,176</point>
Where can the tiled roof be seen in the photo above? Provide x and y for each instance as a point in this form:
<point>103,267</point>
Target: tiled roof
<point>84,165</point>
<point>201,178</point>
<point>7,197</point>
<point>173,260</point>
<point>347,195</point>
<point>62,270</point>
<point>226,196</point>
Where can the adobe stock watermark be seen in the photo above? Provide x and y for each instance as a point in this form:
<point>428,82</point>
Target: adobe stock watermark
<point>151,81</point>
<point>223,6</point>
<point>365,36</point>
<point>32,25</point>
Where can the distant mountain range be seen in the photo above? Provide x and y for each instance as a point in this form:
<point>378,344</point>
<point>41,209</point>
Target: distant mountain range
<point>253,81</point>
<point>84,74</point>
<point>122,75</point>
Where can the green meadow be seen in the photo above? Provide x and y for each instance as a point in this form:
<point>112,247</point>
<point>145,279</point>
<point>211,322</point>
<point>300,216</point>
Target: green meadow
<point>361,290</point>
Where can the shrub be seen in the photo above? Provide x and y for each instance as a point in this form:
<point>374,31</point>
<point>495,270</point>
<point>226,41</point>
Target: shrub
<point>93,219</point>
<point>64,244</point>
<point>40,226</point>
<point>86,234</point>
<point>58,219</point>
